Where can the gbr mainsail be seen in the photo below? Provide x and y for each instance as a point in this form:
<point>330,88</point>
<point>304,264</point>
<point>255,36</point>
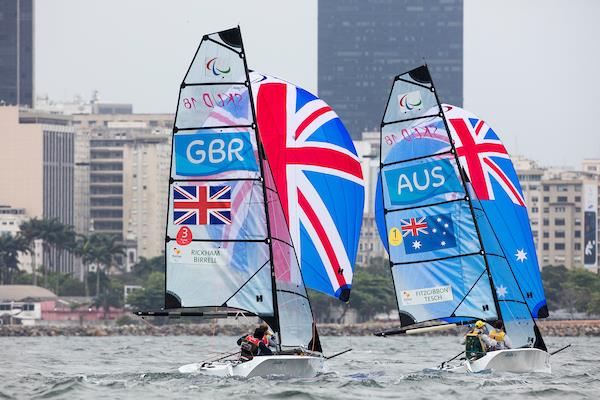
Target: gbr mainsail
<point>227,241</point>
<point>450,256</point>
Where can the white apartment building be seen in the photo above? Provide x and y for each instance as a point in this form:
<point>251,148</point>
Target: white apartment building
<point>563,209</point>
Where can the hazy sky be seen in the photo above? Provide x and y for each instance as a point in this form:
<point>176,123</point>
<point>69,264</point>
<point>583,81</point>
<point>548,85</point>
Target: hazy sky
<point>531,68</point>
<point>137,51</point>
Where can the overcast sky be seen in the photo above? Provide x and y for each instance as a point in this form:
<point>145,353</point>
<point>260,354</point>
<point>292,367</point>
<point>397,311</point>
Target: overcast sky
<point>531,68</point>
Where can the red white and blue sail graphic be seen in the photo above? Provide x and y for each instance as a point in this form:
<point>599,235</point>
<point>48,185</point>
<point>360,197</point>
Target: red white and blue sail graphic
<point>496,186</point>
<point>451,213</point>
<point>318,177</point>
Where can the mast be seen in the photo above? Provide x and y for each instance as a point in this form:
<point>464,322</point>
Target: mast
<point>262,159</point>
<point>463,179</point>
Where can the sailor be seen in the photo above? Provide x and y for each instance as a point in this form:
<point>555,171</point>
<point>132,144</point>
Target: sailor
<point>499,336</point>
<point>269,338</point>
<point>478,334</point>
<point>252,345</point>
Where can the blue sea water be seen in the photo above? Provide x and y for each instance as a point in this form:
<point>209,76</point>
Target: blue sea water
<point>377,368</point>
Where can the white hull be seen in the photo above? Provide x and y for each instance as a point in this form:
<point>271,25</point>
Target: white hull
<point>511,360</point>
<point>293,366</point>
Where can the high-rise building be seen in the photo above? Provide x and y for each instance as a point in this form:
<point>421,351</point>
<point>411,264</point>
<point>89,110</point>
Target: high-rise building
<point>16,52</point>
<point>37,173</point>
<point>370,245</point>
<point>363,44</point>
<point>128,181</point>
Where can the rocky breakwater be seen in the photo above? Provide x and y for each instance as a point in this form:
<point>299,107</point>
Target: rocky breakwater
<point>548,328</point>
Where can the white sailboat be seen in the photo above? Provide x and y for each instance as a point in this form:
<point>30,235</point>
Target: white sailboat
<point>452,216</point>
<point>228,248</point>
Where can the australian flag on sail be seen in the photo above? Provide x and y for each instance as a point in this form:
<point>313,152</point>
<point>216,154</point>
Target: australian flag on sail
<point>319,181</point>
<point>433,232</point>
<point>201,205</point>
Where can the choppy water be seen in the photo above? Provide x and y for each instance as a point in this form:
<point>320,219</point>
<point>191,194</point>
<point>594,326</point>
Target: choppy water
<point>394,368</point>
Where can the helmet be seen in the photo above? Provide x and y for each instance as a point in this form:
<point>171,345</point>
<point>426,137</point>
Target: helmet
<point>479,324</point>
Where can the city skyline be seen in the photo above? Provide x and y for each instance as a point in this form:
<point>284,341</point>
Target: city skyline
<point>363,44</point>
<point>514,78</point>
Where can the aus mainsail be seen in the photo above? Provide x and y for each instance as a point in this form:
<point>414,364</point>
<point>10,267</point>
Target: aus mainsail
<point>318,176</point>
<point>227,242</point>
<point>449,259</point>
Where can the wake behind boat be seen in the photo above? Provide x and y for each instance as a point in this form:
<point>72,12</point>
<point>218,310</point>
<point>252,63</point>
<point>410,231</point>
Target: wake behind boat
<point>451,214</point>
<point>233,238</point>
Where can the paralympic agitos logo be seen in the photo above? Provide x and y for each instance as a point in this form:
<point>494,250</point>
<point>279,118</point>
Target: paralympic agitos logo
<point>410,101</point>
<point>211,65</point>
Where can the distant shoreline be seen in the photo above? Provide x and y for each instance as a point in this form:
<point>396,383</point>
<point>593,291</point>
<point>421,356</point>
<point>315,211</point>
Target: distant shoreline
<point>548,328</point>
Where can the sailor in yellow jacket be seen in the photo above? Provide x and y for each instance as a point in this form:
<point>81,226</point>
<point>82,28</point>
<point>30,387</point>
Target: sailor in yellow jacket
<point>480,330</point>
<point>499,338</point>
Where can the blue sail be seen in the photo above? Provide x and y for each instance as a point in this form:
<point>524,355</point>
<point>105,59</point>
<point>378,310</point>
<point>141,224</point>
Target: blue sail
<point>452,216</point>
<point>514,310</point>
<point>495,183</point>
<point>424,214</point>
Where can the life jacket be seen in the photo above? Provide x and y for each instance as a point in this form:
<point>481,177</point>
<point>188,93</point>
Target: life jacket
<point>265,340</point>
<point>249,347</point>
<point>498,336</point>
<point>474,346</point>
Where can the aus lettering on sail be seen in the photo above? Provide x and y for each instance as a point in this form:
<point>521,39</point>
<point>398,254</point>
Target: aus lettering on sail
<point>422,181</point>
<point>203,154</point>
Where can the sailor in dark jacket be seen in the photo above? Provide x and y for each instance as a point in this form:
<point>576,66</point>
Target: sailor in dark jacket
<point>253,345</point>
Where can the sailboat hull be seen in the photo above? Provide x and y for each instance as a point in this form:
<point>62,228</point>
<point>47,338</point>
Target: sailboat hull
<point>293,366</point>
<point>511,360</point>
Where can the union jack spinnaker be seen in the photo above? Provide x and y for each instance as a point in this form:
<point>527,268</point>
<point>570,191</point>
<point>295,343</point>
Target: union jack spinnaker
<point>447,207</point>
<point>318,177</point>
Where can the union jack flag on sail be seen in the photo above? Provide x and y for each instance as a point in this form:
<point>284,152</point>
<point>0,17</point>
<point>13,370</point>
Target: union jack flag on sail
<point>484,158</point>
<point>319,180</point>
<point>201,205</point>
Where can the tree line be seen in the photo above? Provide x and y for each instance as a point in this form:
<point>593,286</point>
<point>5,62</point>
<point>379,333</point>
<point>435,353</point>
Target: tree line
<point>574,290</point>
<point>99,249</point>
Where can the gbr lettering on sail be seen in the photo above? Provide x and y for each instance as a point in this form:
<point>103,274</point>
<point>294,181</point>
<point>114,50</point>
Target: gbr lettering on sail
<point>206,153</point>
<point>422,181</point>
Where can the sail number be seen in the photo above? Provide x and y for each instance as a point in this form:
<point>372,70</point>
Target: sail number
<point>418,132</point>
<point>212,100</point>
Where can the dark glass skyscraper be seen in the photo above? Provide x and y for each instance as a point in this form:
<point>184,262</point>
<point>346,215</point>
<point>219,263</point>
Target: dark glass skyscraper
<point>16,52</point>
<point>363,44</point>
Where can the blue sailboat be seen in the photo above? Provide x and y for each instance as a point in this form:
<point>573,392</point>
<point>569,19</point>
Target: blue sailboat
<point>451,214</point>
